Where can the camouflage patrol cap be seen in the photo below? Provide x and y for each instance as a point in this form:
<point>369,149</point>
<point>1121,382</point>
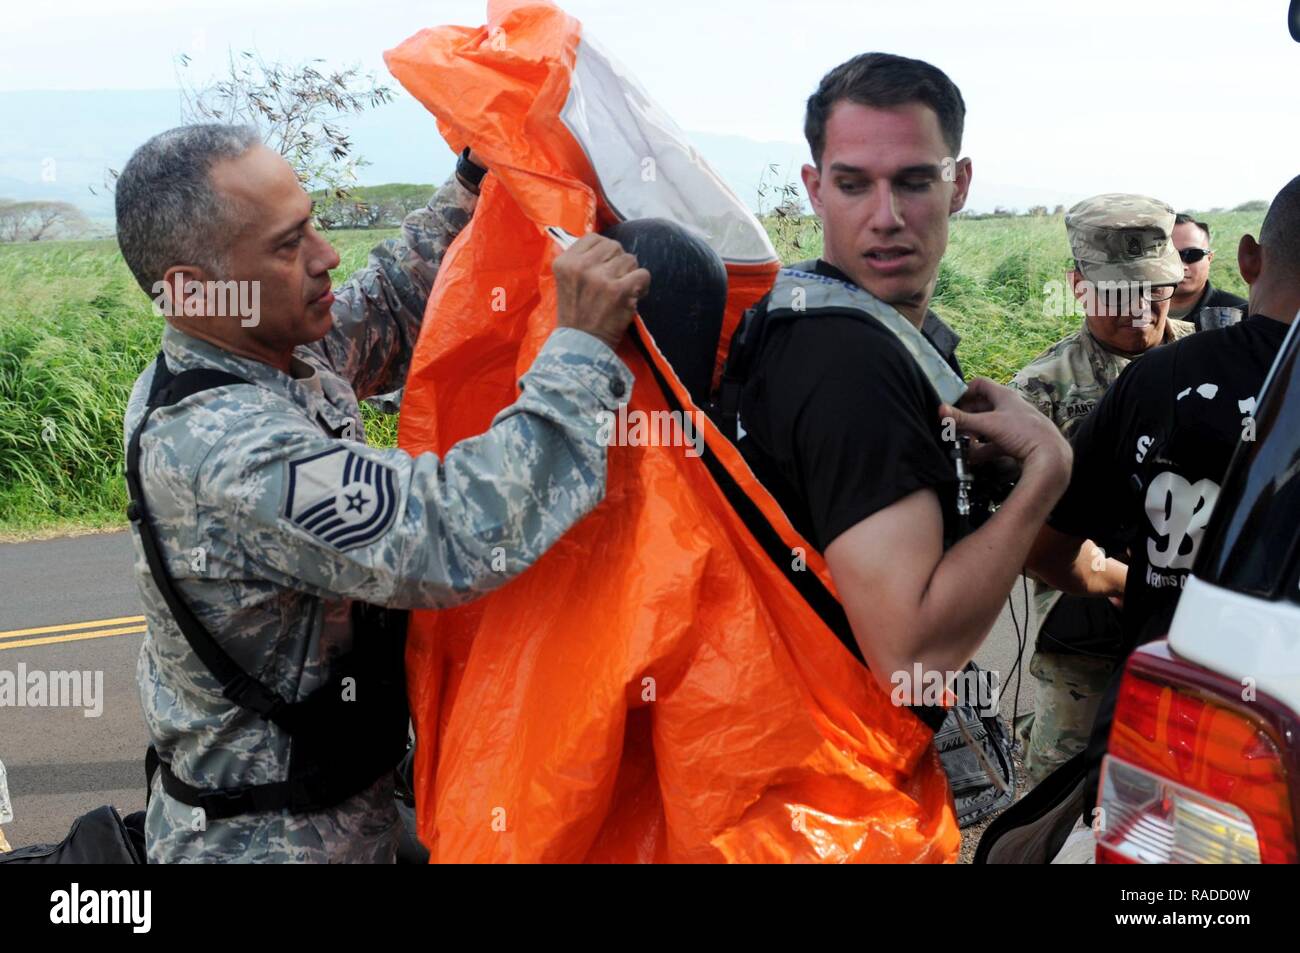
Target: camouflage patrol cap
<point>1123,237</point>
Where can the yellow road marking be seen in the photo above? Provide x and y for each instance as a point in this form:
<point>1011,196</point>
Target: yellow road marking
<point>72,636</point>
<point>69,626</point>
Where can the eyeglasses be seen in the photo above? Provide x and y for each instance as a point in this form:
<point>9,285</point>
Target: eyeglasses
<point>1126,298</point>
<point>1191,256</point>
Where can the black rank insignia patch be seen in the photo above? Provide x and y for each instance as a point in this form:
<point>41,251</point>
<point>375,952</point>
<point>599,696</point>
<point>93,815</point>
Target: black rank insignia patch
<point>341,497</point>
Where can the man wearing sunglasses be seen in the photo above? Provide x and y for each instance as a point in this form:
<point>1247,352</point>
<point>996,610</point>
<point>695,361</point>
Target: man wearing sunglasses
<point>1149,460</point>
<point>1196,300</point>
<point>1124,276</point>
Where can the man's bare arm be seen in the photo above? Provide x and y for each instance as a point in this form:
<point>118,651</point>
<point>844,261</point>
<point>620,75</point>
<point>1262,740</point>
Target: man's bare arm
<point>906,599</point>
<point>1075,565</point>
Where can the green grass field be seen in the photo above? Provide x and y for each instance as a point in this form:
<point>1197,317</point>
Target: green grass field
<point>75,332</point>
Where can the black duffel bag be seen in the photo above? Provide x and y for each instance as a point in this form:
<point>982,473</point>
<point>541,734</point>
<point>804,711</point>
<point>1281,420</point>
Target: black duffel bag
<point>100,837</point>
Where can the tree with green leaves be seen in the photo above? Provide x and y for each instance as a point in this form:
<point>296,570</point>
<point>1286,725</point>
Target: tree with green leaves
<point>298,109</point>
<point>39,220</point>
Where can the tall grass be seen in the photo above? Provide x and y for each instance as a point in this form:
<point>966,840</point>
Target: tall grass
<point>76,331</point>
<point>993,282</point>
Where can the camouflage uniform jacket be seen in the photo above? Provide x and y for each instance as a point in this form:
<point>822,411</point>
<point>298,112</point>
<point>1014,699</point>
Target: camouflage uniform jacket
<point>1065,383</point>
<point>272,520</point>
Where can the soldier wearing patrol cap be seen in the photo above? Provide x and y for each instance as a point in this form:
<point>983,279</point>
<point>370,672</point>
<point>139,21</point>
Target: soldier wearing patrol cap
<point>1125,270</point>
<point>262,519</point>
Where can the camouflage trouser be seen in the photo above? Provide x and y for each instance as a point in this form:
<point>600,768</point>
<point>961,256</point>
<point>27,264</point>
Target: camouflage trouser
<point>1066,697</point>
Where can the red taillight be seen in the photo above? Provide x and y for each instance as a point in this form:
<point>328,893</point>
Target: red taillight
<point>1193,773</point>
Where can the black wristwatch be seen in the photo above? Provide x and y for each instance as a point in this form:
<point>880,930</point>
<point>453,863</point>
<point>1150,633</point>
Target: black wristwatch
<point>469,174</point>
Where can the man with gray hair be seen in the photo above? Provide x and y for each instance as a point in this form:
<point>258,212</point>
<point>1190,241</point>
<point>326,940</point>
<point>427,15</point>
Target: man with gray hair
<point>273,545</point>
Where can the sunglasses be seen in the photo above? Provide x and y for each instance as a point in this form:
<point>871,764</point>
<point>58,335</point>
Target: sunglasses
<point>1191,256</point>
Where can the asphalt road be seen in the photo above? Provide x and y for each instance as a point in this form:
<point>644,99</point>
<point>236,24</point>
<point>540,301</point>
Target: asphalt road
<point>60,762</point>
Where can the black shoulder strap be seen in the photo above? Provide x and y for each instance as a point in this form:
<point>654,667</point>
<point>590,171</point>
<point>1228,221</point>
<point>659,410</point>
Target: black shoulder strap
<point>736,370</point>
<point>747,343</point>
<point>236,684</point>
<point>168,388</point>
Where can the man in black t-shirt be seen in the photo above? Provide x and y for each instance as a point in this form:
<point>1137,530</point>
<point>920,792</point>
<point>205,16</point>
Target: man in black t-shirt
<point>1149,459</point>
<point>841,417</point>
<point>1195,299</point>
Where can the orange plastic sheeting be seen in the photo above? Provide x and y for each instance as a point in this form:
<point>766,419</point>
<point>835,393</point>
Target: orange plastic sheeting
<point>653,689</point>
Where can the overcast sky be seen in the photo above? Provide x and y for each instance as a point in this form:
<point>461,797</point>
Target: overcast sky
<point>1191,100</point>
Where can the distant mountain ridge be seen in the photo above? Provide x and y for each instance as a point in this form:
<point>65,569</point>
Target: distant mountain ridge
<point>61,144</point>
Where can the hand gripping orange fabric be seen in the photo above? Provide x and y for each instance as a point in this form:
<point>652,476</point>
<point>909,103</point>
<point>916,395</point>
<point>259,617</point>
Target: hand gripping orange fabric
<point>655,688</point>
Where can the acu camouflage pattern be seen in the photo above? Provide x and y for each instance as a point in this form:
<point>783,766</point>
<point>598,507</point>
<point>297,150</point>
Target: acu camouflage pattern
<point>1067,693</point>
<point>277,597</point>
<point>1068,379</point>
<point>1123,237</point>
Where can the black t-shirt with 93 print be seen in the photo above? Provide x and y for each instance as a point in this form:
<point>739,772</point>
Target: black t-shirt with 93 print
<point>1149,459</point>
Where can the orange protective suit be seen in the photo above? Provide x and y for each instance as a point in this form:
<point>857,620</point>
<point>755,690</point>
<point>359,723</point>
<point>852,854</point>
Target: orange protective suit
<point>655,688</point>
